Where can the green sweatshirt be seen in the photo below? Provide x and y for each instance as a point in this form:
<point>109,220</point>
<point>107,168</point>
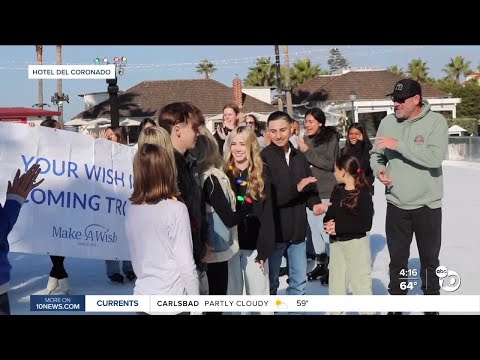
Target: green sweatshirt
<point>415,167</point>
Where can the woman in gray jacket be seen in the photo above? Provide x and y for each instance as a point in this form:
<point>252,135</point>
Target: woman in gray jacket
<point>320,146</point>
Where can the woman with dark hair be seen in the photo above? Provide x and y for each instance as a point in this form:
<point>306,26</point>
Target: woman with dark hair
<point>358,144</point>
<point>252,122</point>
<point>320,146</point>
<point>57,280</point>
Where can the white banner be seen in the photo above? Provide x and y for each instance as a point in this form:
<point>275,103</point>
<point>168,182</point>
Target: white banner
<point>78,211</point>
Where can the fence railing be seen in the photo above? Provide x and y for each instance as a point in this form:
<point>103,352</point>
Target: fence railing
<point>460,148</point>
<point>464,148</point>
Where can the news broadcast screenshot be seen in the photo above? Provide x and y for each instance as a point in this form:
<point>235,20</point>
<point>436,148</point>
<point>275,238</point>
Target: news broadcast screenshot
<point>239,180</point>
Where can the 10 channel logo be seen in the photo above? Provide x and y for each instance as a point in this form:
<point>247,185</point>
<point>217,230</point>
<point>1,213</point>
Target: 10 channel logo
<point>449,280</point>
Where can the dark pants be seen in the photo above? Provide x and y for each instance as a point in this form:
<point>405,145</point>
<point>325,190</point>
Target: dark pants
<point>426,224</point>
<point>58,271</point>
<point>217,274</point>
<point>4,304</point>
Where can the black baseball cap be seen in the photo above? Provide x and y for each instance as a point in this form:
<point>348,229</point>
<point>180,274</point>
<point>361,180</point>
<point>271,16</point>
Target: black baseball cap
<point>406,88</point>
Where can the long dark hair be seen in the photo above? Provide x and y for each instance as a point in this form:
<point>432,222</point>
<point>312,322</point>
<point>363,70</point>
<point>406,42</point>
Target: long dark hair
<point>326,133</point>
<point>366,140</point>
<point>351,165</point>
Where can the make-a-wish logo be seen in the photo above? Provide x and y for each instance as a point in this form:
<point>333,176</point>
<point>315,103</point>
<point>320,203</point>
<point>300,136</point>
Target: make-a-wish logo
<point>93,232</point>
<point>99,233</point>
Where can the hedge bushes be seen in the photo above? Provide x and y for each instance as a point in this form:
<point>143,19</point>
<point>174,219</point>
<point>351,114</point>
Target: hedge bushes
<point>469,124</point>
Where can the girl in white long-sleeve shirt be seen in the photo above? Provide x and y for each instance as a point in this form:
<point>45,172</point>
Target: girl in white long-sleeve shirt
<point>158,228</point>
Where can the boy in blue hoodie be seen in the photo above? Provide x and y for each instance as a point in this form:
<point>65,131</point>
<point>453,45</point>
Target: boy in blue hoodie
<point>17,192</point>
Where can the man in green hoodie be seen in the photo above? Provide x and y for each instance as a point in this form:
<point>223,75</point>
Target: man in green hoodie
<point>407,158</point>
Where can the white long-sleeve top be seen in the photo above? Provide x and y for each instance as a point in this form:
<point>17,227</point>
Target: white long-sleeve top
<point>161,248</point>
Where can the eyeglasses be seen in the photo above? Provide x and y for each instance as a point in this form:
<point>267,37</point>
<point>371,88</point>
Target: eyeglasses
<point>250,123</point>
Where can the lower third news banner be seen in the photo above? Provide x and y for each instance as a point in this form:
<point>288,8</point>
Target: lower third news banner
<point>368,304</point>
<point>57,302</point>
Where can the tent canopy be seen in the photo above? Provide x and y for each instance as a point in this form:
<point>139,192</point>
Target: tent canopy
<point>456,128</point>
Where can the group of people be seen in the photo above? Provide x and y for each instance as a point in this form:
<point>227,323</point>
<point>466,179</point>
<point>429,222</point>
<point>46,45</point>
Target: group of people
<point>215,214</point>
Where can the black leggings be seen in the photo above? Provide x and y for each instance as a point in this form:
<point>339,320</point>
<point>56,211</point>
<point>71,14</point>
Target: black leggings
<point>58,271</point>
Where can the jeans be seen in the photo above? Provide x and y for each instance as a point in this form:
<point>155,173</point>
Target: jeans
<point>297,267</point>
<point>243,271</point>
<point>317,235</point>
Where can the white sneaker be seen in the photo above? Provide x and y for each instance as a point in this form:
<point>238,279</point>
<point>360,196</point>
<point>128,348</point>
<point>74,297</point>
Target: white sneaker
<point>52,284</point>
<point>57,287</point>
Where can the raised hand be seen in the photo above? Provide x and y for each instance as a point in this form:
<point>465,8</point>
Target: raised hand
<point>304,182</point>
<point>384,142</point>
<point>301,145</point>
<point>221,133</point>
<point>23,184</point>
<point>329,227</point>
<point>384,178</point>
<point>319,209</point>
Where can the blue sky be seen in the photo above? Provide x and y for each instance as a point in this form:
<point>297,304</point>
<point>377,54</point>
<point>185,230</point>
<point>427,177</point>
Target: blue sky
<point>178,62</point>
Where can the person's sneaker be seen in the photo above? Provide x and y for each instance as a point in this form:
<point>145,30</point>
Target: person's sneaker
<point>283,271</point>
<point>116,278</point>
<point>130,275</point>
<point>395,313</point>
<point>57,286</point>
<point>431,313</point>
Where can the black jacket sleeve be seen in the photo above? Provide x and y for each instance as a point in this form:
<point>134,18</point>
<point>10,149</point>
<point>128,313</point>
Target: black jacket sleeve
<point>214,195</point>
<point>333,208</point>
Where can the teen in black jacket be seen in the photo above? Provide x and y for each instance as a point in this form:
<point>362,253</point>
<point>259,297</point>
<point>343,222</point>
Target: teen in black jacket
<point>293,188</point>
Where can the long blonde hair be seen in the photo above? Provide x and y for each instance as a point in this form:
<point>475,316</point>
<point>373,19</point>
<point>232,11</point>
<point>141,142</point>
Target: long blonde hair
<point>256,184</point>
<point>158,136</point>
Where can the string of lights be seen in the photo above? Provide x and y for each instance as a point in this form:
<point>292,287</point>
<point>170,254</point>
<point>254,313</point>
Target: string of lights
<point>225,63</point>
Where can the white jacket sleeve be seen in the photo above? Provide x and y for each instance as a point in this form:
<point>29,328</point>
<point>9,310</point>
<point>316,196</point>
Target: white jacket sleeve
<point>183,252</point>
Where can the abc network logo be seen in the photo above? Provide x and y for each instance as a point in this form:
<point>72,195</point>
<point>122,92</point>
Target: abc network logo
<point>449,280</point>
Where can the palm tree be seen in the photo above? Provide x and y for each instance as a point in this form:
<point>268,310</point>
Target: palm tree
<point>206,67</point>
<point>263,74</point>
<point>396,70</point>
<point>457,67</point>
<point>303,71</point>
<point>418,70</point>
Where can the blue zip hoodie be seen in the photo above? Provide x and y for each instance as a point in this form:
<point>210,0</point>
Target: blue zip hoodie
<point>8,218</point>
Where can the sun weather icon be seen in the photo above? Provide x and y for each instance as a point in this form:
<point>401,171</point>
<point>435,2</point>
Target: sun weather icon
<point>280,304</point>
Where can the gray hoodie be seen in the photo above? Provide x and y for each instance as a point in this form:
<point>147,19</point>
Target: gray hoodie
<point>415,167</point>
